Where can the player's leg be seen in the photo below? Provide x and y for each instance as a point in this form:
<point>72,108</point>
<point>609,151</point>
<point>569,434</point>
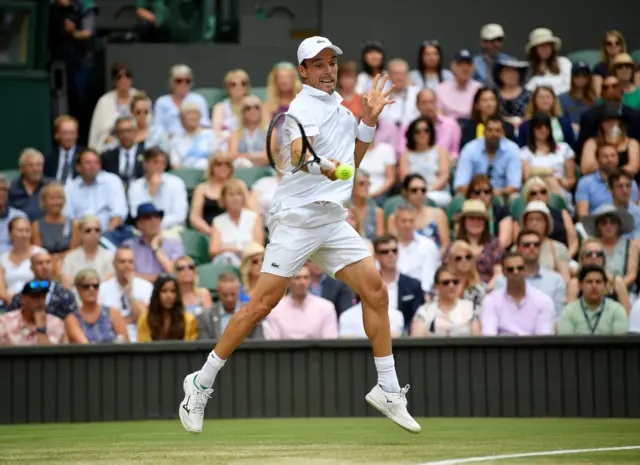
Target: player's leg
<point>346,256</point>
<point>284,257</point>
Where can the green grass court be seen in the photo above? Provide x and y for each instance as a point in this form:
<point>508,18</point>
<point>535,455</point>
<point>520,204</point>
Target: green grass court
<point>319,442</point>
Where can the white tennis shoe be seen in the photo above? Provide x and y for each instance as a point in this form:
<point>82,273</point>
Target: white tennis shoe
<point>394,406</point>
<point>191,409</point>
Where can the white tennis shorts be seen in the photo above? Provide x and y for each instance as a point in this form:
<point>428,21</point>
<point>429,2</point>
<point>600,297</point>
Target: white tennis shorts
<point>331,246</point>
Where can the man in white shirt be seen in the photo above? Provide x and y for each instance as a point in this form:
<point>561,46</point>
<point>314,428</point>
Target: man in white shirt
<point>308,221</point>
<point>351,324</point>
<point>418,256</point>
<point>125,291</point>
<point>165,190</point>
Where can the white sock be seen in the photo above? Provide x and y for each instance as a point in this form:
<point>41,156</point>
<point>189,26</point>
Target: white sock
<point>387,377</point>
<point>209,370</point>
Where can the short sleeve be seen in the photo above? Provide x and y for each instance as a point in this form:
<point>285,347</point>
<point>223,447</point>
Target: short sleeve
<point>525,154</point>
<point>388,156</point>
<point>567,152</point>
<point>582,190</point>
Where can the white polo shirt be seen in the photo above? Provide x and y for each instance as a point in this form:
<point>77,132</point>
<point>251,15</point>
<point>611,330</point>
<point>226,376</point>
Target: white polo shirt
<point>420,259</point>
<point>334,130</point>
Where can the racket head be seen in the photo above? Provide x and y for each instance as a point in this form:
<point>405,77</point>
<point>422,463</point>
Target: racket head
<point>283,130</point>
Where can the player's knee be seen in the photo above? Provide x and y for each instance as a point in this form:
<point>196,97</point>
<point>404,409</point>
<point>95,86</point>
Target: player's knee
<point>376,295</point>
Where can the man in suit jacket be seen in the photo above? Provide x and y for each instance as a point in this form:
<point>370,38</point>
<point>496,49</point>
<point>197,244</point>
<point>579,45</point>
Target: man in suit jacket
<point>404,291</point>
<point>126,160</point>
<point>590,119</point>
<point>213,321</point>
<point>60,164</point>
<point>334,290</point>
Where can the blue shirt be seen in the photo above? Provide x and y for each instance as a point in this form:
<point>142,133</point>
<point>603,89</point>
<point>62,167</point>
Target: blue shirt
<point>572,108</point>
<point>547,281</point>
<point>595,190</point>
<point>505,171</point>
<point>482,71</point>
<point>28,203</point>
<point>104,198</point>
<point>166,115</point>
<point>317,290</point>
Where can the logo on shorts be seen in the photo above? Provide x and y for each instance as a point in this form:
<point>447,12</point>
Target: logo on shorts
<point>275,265</point>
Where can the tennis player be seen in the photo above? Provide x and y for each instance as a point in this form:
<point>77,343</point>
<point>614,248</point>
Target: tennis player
<point>307,220</point>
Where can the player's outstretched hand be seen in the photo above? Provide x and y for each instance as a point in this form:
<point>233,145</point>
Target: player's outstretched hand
<point>375,99</point>
<point>331,174</point>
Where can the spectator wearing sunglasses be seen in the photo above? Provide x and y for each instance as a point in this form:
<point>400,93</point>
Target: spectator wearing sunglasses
<point>111,106</point>
<point>564,229</point>
<point>166,111</point>
<point>405,292</point>
<point>610,224</point>
<point>580,97</point>
<point>463,263</point>
<point>247,143</point>
<point>431,222</point>
<point>613,44</point>
<point>592,254</point>
<point>528,244</point>
<point>624,68</point>
<point>93,323</point>
<point>88,255</point>
<point>446,315</point>
<point>195,299</point>
<point>126,292</point>
<point>611,96</point>
<point>370,215</point>
<point>427,159</point>
<point>620,183</point>
<point>517,309</point>
<point>492,43</point>
<point>226,115</point>
<point>192,147</point>
<point>593,313</point>
<point>30,324</point>
<point>447,129</point>
<point>429,71</point>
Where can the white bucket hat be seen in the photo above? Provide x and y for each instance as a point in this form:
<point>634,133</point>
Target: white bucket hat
<point>542,36</point>
<point>539,207</point>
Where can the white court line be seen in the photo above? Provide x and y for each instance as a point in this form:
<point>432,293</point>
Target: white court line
<point>528,454</point>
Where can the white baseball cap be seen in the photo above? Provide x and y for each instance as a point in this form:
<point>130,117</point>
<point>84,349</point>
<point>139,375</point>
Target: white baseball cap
<point>313,45</point>
<point>491,32</point>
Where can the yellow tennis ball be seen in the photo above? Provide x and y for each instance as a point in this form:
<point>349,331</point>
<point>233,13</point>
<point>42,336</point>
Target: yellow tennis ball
<point>344,172</point>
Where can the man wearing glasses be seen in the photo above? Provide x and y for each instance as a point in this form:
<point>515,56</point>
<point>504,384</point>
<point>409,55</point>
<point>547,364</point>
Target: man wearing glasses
<point>519,309</point>
<point>543,279</point>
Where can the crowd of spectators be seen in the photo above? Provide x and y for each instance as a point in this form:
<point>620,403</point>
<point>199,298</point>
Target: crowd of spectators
<point>499,197</point>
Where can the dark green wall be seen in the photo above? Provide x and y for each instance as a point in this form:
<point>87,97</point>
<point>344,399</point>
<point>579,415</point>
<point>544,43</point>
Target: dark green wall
<point>25,119</point>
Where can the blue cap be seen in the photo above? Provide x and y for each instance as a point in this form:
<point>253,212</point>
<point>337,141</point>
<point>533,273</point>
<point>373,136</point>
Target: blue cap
<point>463,55</point>
<point>148,209</point>
<point>581,67</point>
<point>35,288</point>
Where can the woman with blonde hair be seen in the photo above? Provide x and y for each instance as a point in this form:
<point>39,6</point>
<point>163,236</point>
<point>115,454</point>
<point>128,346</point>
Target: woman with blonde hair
<point>192,148</point>
<point>250,266</point>
<point>226,115</point>
<point>463,263</point>
<point>92,322</point>
<point>544,100</point>
<point>205,204</point>
<point>232,231</point>
<point>580,97</point>
<point>247,143</point>
<point>195,299</point>
<point>283,84</point>
<point>55,232</point>
<point>592,253</point>
<point>613,44</point>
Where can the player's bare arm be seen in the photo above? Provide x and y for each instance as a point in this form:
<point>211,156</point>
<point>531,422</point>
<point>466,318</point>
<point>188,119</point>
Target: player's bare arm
<point>373,102</point>
<point>296,154</point>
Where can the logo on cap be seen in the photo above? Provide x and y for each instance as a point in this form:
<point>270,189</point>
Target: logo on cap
<point>321,41</point>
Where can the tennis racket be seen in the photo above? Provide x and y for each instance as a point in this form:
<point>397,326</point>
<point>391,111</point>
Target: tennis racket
<point>283,130</point>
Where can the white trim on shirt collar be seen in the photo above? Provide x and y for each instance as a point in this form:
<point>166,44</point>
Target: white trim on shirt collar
<point>313,92</point>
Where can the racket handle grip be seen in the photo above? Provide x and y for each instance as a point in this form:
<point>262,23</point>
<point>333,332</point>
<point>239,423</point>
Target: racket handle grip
<point>326,164</point>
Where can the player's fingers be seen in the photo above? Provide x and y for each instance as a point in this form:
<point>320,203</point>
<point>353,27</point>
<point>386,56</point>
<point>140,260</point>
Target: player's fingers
<point>388,102</point>
<point>388,91</point>
<point>382,84</point>
<point>374,84</point>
